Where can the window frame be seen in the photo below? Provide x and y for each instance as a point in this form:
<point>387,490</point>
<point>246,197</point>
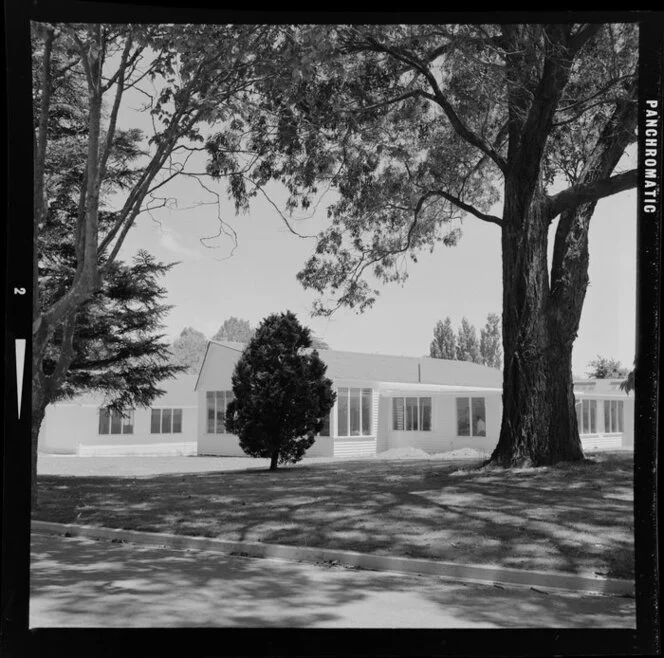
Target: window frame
<point>472,430</point>
<point>173,411</point>
<point>218,421</point>
<point>418,417</point>
<point>615,415</point>
<point>127,421</point>
<point>349,408</point>
<point>591,417</point>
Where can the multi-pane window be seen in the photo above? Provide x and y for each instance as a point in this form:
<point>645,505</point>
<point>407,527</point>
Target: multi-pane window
<point>411,414</point>
<point>471,416</point>
<point>217,401</point>
<point>586,415</point>
<point>112,421</point>
<point>354,411</point>
<point>166,421</point>
<point>613,416</point>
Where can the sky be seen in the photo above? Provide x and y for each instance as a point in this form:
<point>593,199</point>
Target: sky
<point>215,279</point>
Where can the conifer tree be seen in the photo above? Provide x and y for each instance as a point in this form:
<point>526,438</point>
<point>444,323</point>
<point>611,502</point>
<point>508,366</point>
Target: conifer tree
<point>281,393</point>
<point>491,351</point>
<point>468,348</point>
<point>443,345</point>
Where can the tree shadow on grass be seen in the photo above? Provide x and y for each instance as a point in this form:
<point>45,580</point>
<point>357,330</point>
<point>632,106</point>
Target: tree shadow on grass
<point>86,583</point>
<point>572,518</point>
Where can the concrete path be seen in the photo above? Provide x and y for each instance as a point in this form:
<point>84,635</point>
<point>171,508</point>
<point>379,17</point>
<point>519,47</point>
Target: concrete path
<point>84,582</point>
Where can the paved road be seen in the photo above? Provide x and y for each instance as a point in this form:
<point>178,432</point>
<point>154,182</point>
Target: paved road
<point>84,582</point>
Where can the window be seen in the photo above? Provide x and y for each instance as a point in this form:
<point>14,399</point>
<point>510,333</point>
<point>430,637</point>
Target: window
<point>411,414</point>
<point>613,416</point>
<point>471,424</point>
<point>166,421</point>
<point>115,422</point>
<point>217,401</point>
<point>586,415</point>
<point>354,411</point>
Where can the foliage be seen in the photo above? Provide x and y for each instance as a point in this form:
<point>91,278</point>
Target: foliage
<point>408,123</point>
<point>234,330</point>
<point>188,349</point>
<point>491,351</point>
<point>627,384</point>
<point>118,350</point>
<point>443,345</point>
<point>281,393</point>
<point>467,345</point>
<point>318,343</point>
<point>603,367</point>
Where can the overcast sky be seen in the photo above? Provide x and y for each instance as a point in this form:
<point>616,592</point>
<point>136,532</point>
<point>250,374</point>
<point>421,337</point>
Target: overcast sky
<point>213,282</point>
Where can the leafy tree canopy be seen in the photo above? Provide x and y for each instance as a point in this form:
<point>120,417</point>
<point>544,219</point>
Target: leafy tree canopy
<point>234,330</point>
<point>416,127</point>
<point>189,349</point>
<point>603,367</point>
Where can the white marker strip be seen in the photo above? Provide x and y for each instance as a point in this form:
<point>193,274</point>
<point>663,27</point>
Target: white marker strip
<point>20,365</point>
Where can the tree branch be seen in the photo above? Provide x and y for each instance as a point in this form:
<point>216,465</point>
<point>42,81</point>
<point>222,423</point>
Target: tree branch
<point>116,107</point>
<point>459,126</point>
<point>492,219</point>
<point>577,194</point>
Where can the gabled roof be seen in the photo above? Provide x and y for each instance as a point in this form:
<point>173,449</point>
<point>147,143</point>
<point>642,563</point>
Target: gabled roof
<point>396,369</point>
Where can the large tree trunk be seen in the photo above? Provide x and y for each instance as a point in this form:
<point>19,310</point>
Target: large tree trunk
<point>539,419</point>
<point>274,460</point>
<point>39,404</point>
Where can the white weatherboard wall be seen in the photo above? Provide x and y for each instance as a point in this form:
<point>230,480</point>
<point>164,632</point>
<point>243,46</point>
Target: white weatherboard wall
<point>72,426</point>
<point>74,429</point>
<point>443,436</point>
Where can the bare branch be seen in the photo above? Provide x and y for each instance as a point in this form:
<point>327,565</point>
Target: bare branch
<point>577,194</point>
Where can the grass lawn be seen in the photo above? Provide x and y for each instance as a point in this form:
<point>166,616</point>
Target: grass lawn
<point>573,518</point>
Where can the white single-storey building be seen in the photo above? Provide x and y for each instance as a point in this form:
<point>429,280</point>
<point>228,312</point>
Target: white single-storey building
<point>605,414</point>
<point>84,426</point>
<point>383,402</point>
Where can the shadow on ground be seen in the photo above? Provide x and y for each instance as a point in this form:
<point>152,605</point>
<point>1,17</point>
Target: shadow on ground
<point>79,582</point>
<point>575,518</point>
